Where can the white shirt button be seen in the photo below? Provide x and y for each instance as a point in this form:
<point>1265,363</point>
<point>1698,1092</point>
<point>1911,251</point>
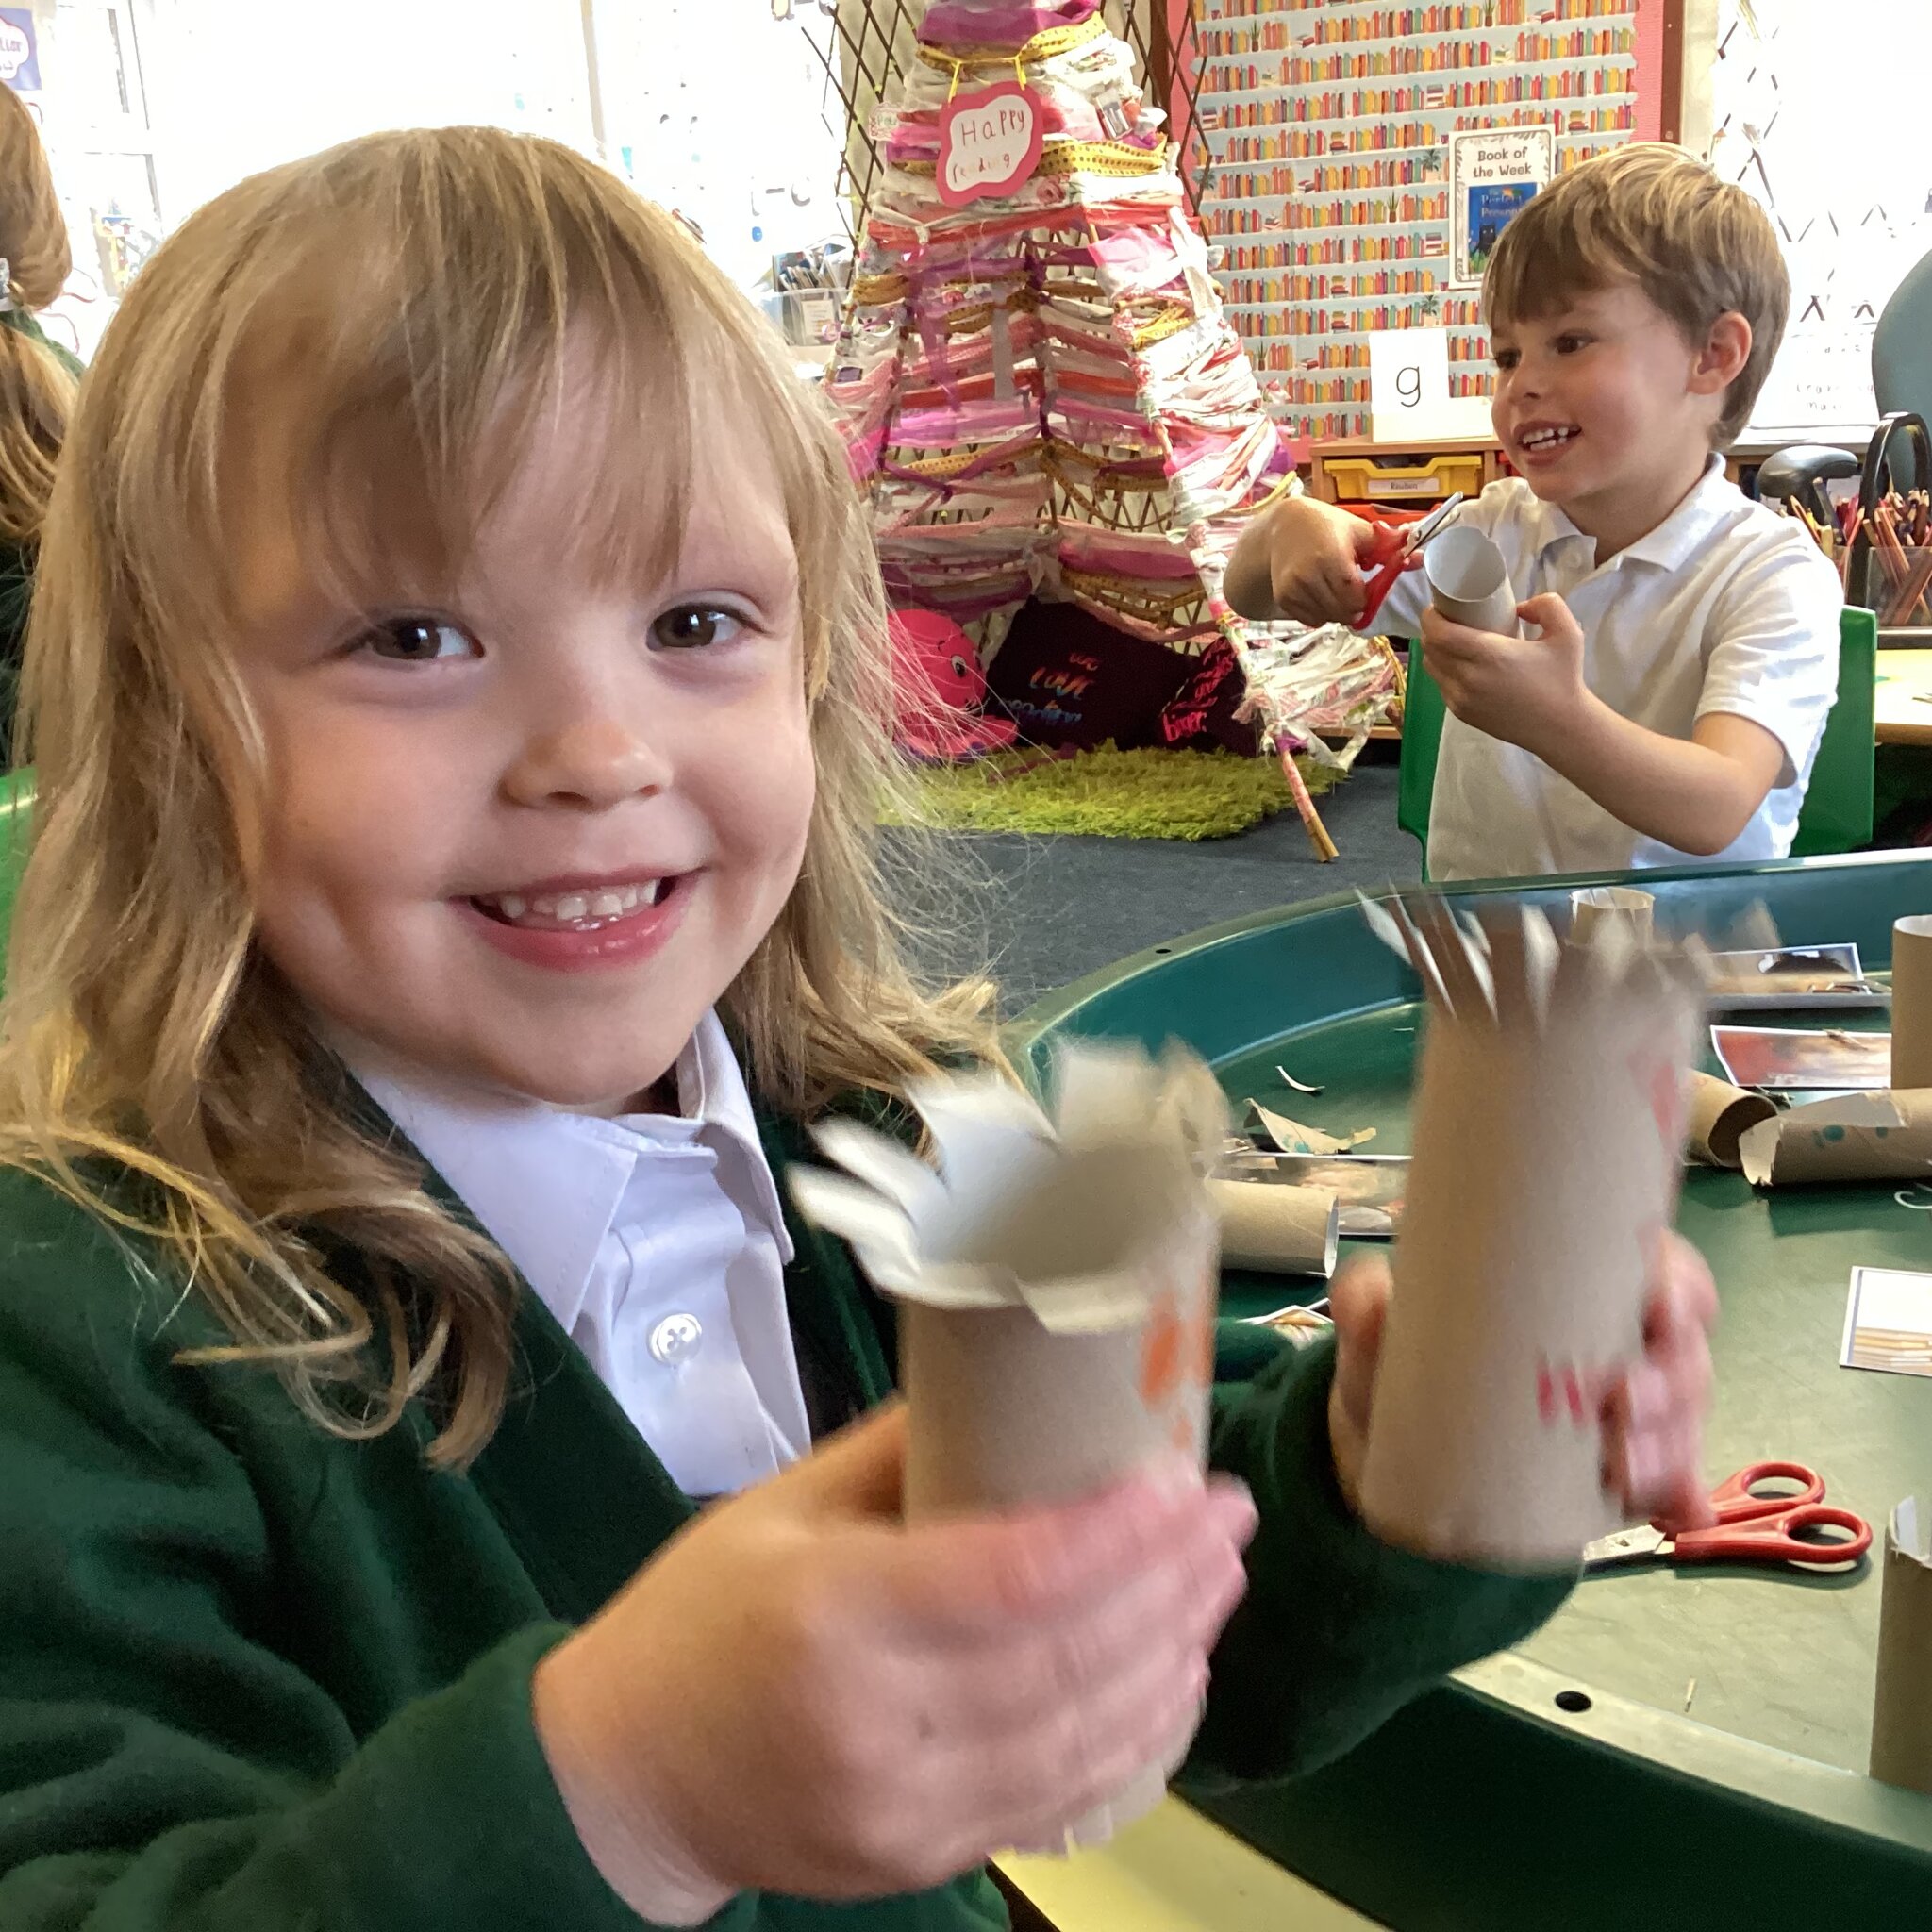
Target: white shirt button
<point>676,1338</point>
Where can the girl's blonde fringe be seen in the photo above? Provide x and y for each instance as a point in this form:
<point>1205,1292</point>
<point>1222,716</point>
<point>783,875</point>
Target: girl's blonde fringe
<point>154,1068</point>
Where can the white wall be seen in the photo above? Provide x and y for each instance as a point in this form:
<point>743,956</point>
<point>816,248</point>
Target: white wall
<point>240,85</point>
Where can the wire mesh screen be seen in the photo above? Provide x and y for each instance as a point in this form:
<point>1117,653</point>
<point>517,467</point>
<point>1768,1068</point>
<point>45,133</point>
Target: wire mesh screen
<point>872,41</point>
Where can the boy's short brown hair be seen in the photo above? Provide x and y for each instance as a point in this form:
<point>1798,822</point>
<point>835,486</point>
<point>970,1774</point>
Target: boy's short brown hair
<point>1651,214</point>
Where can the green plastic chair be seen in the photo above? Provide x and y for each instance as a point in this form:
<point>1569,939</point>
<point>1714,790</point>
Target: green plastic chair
<point>1837,812</point>
<point>16,828</point>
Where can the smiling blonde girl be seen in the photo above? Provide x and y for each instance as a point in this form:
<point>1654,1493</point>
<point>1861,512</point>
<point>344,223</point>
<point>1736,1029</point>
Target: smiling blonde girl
<point>457,703</point>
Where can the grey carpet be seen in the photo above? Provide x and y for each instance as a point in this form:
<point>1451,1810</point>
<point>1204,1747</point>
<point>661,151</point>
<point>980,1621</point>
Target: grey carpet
<point>1047,910</point>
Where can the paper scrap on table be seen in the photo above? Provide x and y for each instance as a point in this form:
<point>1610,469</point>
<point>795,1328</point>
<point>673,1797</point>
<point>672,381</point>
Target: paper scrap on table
<point>1720,1116</point>
<point>1370,1186</point>
<point>1850,1136</point>
<point>1290,1136</point>
<point>1303,1327</point>
<point>1901,1699</point>
<point>1787,1060</point>
<point>1548,1142</point>
<point>1888,1322</point>
<point>1059,1281</point>
<point>1793,977</point>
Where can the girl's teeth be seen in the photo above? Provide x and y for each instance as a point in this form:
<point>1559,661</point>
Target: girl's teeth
<point>568,909</point>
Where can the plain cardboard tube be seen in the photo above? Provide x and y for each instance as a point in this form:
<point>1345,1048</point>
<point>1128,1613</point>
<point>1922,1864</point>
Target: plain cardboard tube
<point>1912,1001</point>
<point>1275,1229</point>
<point>1902,1703</point>
<point>1594,908</point>
<point>1469,582</point>
<point>1720,1115</point>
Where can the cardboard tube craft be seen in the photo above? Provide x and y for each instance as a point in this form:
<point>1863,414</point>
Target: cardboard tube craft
<point>1902,1702</point>
<point>1593,907</point>
<point>1911,1001</point>
<point>1057,1276</point>
<point>1549,1134</point>
<point>1469,582</point>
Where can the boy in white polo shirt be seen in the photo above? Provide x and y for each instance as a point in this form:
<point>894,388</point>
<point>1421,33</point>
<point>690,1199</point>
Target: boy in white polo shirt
<point>1671,704</point>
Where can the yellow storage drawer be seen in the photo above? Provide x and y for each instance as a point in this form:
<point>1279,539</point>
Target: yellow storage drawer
<point>1407,477</point>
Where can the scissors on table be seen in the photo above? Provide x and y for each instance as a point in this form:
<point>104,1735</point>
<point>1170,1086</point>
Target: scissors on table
<point>1397,540</point>
<point>1750,1528</point>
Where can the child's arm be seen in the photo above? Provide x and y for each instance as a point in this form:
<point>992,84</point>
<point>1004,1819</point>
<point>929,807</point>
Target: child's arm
<point>1301,559</point>
<point>1338,1631</point>
<point>1695,795</point>
<point>796,1692</point>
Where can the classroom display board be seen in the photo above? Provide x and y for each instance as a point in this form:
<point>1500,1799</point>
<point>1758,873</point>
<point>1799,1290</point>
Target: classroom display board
<point>1799,121</point>
<point>1327,126</point>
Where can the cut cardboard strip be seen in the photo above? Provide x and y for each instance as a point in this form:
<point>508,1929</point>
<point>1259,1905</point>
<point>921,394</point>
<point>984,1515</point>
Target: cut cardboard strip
<point>1276,1230</point>
<point>1720,1116</point>
<point>1290,1136</point>
<point>1911,1001</point>
<point>1902,1705</point>
<point>1851,1137</point>
<point>1592,907</point>
<point>1549,1127</point>
<point>1059,1280</point>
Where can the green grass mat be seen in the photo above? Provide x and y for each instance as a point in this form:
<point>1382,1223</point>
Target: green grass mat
<point>1110,794</point>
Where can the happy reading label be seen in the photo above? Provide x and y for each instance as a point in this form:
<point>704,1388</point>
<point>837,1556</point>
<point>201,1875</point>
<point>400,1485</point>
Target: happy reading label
<point>988,142</point>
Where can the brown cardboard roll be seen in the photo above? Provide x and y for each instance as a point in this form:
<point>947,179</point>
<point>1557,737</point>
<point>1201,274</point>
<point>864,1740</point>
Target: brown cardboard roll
<point>1902,1703</point>
<point>1469,581</point>
<point>1548,1141</point>
<point>1860,1137</point>
<point>1594,908</point>
<point>1911,1001</point>
<point>1276,1230</point>
<point>1720,1115</point>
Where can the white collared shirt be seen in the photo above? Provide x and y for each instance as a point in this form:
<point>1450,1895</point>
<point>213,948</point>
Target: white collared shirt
<point>659,1245</point>
<point>1725,607</point>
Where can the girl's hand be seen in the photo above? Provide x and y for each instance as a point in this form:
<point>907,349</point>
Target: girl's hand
<point>1653,1420</point>
<point>1524,691</point>
<point>800,1693</point>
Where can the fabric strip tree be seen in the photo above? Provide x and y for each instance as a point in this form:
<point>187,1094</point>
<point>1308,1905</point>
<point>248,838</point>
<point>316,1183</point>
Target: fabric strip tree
<point>1037,382</point>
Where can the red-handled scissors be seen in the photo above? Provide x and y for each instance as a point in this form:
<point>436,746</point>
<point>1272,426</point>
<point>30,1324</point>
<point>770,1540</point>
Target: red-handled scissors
<point>1750,1528</point>
<point>1397,540</point>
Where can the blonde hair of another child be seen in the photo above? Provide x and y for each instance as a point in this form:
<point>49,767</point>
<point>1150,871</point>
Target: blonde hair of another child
<point>417,289</point>
<point>35,390</point>
<point>1651,214</point>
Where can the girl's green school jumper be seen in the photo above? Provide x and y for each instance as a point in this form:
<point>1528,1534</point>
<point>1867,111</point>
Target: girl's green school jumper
<point>256,1679</point>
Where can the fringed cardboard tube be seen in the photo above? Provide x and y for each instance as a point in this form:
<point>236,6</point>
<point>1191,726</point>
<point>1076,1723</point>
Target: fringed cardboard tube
<point>1902,1703</point>
<point>1720,1116</point>
<point>1911,1001</point>
<point>1056,1280</point>
<point>1548,1145</point>
<point>1594,908</point>
<point>1276,1230</point>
